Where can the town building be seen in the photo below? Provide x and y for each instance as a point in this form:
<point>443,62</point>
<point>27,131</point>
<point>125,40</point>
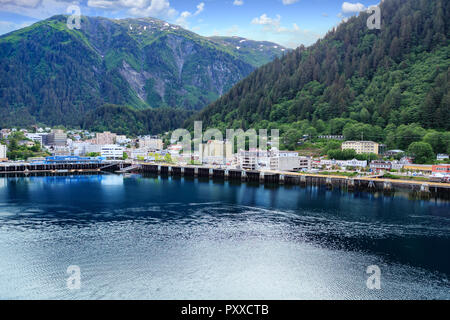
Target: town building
<point>288,161</point>
<point>35,137</point>
<point>152,143</point>
<point>57,138</point>
<point>252,159</point>
<point>393,153</point>
<point>420,168</point>
<point>60,151</point>
<point>122,139</point>
<point>217,152</point>
<point>3,152</point>
<point>4,133</point>
<point>344,163</point>
<point>83,148</point>
<point>441,170</point>
<point>112,151</point>
<point>105,138</point>
<point>442,157</point>
<point>332,137</point>
<point>361,147</point>
<point>381,166</point>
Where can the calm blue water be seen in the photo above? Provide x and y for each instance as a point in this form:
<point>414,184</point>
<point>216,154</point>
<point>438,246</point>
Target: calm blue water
<point>164,238</point>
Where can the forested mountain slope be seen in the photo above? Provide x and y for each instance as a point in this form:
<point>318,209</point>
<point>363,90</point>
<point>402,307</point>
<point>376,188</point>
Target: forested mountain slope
<point>383,84</point>
<point>53,75</point>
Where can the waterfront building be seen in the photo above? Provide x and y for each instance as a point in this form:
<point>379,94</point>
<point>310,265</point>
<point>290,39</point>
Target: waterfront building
<point>344,163</point>
<point>57,138</point>
<point>112,151</point>
<point>361,147</point>
<point>3,152</point>
<point>252,159</point>
<point>288,161</point>
<point>353,163</point>
<point>441,170</point>
<point>105,138</point>
<point>84,148</point>
<point>175,149</point>
<point>381,166</point>
<point>152,143</point>
<point>217,152</point>
<point>420,168</point>
<point>141,153</point>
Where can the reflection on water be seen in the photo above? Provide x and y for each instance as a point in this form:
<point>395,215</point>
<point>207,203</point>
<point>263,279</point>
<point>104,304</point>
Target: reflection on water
<point>164,238</point>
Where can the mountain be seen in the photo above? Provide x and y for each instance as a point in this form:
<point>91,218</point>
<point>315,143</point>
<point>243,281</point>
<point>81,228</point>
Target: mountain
<point>385,85</point>
<point>54,75</point>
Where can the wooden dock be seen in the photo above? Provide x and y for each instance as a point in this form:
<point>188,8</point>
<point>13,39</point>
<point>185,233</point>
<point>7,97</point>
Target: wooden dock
<point>371,184</point>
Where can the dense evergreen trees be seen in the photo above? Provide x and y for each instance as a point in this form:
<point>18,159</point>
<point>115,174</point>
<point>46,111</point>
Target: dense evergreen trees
<point>132,122</point>
<point>389,85</point>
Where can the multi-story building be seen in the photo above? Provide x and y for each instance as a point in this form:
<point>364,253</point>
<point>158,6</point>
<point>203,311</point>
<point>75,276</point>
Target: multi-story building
<point>105,138</point>
<point>256,159</point>
<point>3,152</point>
<point>289,161</point>
<point>35,137</point>
<point>112,151</point>
<point>152,143</point>
<point>251,159</point>
<point>218,152</point>
<point>57,138</point>
<point>361,147</point>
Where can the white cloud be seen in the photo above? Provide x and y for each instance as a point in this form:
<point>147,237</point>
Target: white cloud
<point>267,21</point>
<point>288,36</point>
<point>182,20</point>
<point>141,8</point>
<point>22,3</point>
<point>36,9</point>
<point>238,2</point>
<point>200,8</point>
<point>348,7</point>
<point>287,2</point>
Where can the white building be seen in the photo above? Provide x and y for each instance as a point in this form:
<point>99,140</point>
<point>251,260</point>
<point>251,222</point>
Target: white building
<point>344,163</point>
<point>274,159</point>
<point>112,151</point>
<point>217,152</point>
<point>135,154</point>
<point>150,142</point>
<point>288,161</point>
<point>3,151</point>
<point>35,137</point>
<point>83,148</point>
<point>442,157</point>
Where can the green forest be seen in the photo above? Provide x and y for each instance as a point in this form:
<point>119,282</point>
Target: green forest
<point>390,85</point>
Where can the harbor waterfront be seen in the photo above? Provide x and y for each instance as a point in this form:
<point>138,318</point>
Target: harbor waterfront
<point>149,236</point>
<point>421,189</point>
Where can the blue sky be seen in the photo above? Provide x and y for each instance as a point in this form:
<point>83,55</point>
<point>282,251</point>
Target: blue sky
<point>287,22</point>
